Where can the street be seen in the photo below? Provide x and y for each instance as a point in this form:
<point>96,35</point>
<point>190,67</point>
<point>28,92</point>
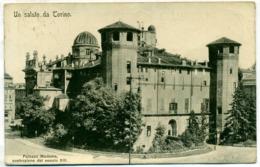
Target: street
<point>20,148</point>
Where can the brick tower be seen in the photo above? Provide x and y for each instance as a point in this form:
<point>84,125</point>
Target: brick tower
<point>223,59</point>
<point>119,60</point>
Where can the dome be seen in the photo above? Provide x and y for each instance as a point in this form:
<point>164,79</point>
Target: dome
<point>151,28</point>
<point>85,38</point>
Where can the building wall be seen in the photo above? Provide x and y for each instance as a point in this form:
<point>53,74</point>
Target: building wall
<point>163,86</point>
<point>145,139</point>
<point>9,104</point>
<point>49,93</point>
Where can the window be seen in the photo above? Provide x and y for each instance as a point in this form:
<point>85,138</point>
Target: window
<point>219,110</point>
<point>173,107</point>
<point>162,79</point>
<point>115,86</point>
<point>128,67</point>
<point>6,113</point>
<point>234,85</point>
<point>149,104</point>
<point>128,80</point>
<point>204,83</point>
<point>104,37</point>
<point>116,36</point>
<point>188,71</point>
<point>230,71</point>
<point>129,36</point>
<point>148,132</point>
<point>186,109</point>
<point>146,69</point>
<point>220,50</point>
<point>231,49</point>
<point>205,105</point>
<point>180,71</point>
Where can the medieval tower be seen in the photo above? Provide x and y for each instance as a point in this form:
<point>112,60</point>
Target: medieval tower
<point>223,59</point>
<point>119,60</point>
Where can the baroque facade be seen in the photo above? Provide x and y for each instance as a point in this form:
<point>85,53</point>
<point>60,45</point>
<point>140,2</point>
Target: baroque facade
<point>171,86</point>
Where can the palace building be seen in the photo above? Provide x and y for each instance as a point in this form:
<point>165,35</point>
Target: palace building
<point>170,85</point>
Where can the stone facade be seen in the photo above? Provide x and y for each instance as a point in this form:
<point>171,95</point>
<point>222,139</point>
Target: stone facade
<point>171,86</point>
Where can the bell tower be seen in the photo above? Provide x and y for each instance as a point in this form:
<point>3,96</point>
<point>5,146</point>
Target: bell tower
<point>223,59</point>
<point>119,60</point>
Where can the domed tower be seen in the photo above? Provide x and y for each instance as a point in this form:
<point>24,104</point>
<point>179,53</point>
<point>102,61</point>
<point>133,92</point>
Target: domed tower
<point>84,48</point>
<point>152,36</point>
<point>223,59</point>
<point>119,60</point>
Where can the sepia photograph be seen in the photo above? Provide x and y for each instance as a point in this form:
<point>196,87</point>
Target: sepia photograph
<point>130,83</point>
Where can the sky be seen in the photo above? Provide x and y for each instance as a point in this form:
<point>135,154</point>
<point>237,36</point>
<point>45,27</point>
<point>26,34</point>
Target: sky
<point>182,28</point>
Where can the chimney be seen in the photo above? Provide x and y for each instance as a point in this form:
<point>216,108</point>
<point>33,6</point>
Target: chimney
<point>27,56</point>
<point>149,60</point>
<point>159,60</point>
<point>183,62</point>
<point>57,57</point>
<point>35,55</point>
<point>62,57</point>
<point>192,63</point>
<point>206,63</point>
<point>196,62</point>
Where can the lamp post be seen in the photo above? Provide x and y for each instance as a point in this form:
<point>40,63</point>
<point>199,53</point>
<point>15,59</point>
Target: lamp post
<point>130,114</point>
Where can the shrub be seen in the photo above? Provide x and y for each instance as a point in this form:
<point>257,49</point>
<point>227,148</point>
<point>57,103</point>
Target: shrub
<point>57,136</point>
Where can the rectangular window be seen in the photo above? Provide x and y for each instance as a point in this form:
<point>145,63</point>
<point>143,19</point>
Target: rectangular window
<point>188,71</point>
<point>115,87</point>
<point>235,85</point>
<point>162,79</point>
<point>219,110</point>
<point>128,67</point>
<point>231,49</point>
<point>230,71</point>
<point>220,50</point>
<point>148,132</point>
<point>179,71</point>
<point>146,69</point>
<point>129,36</point>
<point>6,113</point>
<point>186,105</point>
<point>173,108</point>
<point>128,80</point>
<point>116,36</point>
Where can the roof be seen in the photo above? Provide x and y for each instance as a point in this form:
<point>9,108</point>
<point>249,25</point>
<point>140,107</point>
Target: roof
<point>120,26</point>
<point>166,59</point>
<point>85,38</point>
<point>7,76</point>
<point>224,40</point>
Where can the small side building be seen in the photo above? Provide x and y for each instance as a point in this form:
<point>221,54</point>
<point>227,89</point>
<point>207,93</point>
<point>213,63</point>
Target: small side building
<point>9,90</point>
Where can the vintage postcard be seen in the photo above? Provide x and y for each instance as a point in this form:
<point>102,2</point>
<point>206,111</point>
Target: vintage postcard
<point>130,83</point>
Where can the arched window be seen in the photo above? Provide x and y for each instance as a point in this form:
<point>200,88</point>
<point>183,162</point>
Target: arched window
<point>173,124</point>
<point>116,36</point>
<point>129,36</point>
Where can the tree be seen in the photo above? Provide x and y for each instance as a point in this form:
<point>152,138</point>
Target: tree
<point>100,117</point>
<point>240,122</point>
<point>196,131</point>
<point>35,117</point>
